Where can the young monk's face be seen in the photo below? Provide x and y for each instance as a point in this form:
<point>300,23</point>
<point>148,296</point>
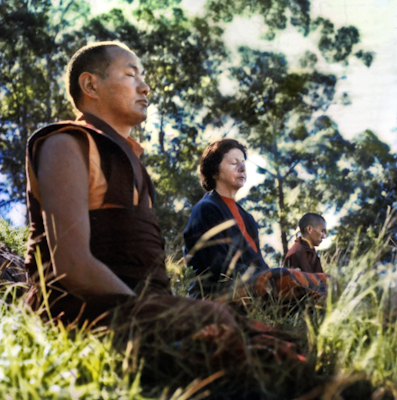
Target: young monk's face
<point>232,172</point>
<point>316,233</point>
<point>122,93</point>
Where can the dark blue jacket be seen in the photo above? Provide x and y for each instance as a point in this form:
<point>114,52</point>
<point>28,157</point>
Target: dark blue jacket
<point>212,261</point>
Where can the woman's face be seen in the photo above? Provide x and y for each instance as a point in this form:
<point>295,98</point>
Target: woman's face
<point>232,173</point>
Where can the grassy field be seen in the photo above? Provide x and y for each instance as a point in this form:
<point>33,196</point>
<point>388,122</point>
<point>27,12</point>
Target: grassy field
<point>352,341</point>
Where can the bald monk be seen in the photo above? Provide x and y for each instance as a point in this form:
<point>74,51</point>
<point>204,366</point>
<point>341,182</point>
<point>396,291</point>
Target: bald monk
<point>95,252</point>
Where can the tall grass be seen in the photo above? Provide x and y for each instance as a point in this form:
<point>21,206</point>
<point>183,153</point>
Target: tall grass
<point>358,332</point>
<point>352,338</point>
<point>14,238</point>
<point>44,361</point>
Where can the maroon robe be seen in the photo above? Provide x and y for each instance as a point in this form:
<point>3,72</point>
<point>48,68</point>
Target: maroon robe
<point>302,256</point>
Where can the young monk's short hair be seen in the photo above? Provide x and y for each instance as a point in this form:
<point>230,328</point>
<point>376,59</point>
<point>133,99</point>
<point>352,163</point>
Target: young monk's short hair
<point>93,58</point>
<point>211,159</point>
<point>311,219</point>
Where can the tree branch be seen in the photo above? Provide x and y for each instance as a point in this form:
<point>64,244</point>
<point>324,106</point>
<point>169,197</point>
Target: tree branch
<point>293,167</point>
<point>5,202</point>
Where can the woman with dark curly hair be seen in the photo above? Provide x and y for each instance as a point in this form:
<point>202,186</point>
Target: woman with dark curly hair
<point>223,173</point>
<point>221,238</point>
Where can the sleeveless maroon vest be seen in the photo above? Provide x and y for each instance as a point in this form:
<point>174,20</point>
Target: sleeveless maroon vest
<point>127,238</point>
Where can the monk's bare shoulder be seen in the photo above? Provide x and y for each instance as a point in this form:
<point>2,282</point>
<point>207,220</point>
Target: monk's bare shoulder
<point>62,146</point>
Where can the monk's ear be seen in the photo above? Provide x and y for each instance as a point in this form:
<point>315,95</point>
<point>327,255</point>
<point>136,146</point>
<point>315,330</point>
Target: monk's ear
<point>88,84</point>
<point>309,229</point>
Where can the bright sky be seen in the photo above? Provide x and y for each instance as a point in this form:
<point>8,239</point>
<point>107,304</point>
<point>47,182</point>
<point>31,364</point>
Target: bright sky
<point>373,90</point>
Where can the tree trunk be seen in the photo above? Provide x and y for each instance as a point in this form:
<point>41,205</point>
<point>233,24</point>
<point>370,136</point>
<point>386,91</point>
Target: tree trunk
<point>281,217</point>
<point>280,191</point>
<point>161,135</point>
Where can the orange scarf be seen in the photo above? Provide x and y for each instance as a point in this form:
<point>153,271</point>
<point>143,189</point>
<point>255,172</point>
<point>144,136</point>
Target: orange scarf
<point>239,220</point>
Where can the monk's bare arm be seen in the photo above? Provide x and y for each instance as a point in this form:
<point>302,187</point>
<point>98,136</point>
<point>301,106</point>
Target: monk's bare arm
<point>63,183</point>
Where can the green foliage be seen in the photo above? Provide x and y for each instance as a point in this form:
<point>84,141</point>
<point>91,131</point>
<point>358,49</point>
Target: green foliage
<point>373,175</point>
<point>14,238</point>
<point>180,276</point>
<point>337,45</point>
<point>274,13</point>
<point>32,59</point>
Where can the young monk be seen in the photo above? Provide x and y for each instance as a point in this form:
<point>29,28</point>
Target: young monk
<point>302,255</point>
